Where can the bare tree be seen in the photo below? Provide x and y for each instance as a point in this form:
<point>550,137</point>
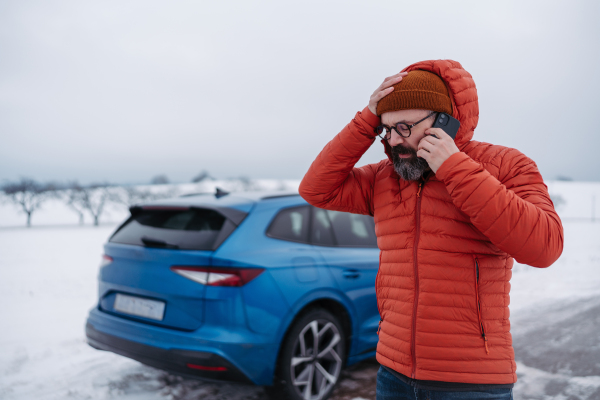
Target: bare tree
<point>28,194</point>
<point>563,178</point>
<point>91,198</point>
<point>558,200</point>
<point>201,176</point>
<point>159,180</point>
<point>130,195</point>
<point>248,184</point>
<point>71,194</point>
<point>281,185</point>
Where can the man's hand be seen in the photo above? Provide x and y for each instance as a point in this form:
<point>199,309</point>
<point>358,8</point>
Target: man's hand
<point>384,89</point>
<point>436,150</point>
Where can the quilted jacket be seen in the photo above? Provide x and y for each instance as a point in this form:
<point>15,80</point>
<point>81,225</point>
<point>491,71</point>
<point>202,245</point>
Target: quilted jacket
<point>446,244</point>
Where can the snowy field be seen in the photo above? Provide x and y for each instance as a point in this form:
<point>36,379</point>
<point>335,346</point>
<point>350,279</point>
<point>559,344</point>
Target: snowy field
<point>48,284</point>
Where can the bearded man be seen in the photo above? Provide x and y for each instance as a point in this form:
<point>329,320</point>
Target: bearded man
<point>450,217</point>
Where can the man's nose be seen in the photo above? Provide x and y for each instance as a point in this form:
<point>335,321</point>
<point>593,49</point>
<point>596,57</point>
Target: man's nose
<point>395,139</point>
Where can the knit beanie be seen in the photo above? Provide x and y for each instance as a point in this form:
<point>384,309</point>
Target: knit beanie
<point>420,90</point>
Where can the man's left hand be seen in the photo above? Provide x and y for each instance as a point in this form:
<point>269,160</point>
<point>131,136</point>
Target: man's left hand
<point>436,150</point>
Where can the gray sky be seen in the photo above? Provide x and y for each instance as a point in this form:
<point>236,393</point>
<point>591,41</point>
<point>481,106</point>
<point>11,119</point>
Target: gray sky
<point>122,91</point>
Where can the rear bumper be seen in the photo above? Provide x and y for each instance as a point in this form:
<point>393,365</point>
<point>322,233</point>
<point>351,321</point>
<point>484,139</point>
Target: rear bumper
<point>169,360</point>
<point>246,359</point>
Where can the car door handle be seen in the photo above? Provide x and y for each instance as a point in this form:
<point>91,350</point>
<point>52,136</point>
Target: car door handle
<point>351,273</point>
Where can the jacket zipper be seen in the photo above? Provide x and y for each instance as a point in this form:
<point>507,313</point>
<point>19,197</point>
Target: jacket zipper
<point>485,341</point>
<point>416,273</point>
<point>377,300</point>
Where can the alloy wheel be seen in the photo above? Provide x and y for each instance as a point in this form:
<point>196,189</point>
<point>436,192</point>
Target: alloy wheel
<point>316,364</point>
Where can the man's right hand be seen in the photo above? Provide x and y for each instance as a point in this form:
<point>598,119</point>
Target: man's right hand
<point>384,89</point>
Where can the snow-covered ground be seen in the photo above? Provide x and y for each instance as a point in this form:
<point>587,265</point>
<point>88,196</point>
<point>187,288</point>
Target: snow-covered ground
<point>48,284</point>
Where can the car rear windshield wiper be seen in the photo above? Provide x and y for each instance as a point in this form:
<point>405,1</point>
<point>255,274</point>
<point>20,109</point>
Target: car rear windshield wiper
<point>149,242</point>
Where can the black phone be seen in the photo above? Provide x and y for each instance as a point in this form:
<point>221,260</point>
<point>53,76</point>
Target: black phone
<point>447,123</point>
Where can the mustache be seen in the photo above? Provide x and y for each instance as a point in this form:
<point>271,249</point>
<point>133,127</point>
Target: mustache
<point>399,149</point>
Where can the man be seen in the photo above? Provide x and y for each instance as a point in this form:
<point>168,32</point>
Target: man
<point>450,216</point>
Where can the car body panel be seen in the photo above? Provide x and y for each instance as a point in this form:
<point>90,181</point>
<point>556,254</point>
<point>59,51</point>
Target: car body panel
<point>354,270</point>
<point>254,355</point>
<point>145,272</point>
<point>242,325</point>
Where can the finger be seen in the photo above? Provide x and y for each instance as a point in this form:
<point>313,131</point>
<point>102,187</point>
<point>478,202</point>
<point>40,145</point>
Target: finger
<point>440,133</point>
<point>425,146</point>
<point>392,80</point>
<point>430,139</point>
<point>381,87</point>
<point>382,93</point>
<point>395,76</point>
<point>424,155</point>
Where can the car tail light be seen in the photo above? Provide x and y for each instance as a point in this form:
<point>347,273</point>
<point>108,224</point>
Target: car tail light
<point>105,260</point>
<point>212,276</point>
<point>205,368</point>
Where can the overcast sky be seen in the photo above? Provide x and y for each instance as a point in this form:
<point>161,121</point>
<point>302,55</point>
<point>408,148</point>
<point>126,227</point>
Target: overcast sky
<point>121,91</point>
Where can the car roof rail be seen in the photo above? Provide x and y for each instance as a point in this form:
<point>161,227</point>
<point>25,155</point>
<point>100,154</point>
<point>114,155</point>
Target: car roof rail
<point>195,194</point>
<point>277,196</point>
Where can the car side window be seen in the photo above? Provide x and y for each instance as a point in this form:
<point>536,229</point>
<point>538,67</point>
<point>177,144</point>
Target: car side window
<point>352,229</point>
<point>291,224</point>
<point>321,233</point>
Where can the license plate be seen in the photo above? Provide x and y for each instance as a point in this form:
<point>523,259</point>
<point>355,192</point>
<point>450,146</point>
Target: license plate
<point>140,307</point>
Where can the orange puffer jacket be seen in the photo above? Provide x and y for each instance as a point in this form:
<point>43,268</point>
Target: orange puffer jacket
<point>447,245</point>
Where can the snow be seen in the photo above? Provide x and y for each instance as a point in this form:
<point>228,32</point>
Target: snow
<point>555,320</point>
<point>48,284</point>
<point>575,275</point>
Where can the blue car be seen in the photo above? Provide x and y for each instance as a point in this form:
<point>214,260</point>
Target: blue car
<point>253,287</point>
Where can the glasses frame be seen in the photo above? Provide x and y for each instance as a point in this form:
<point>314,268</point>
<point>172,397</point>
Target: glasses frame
<point>386,129</point>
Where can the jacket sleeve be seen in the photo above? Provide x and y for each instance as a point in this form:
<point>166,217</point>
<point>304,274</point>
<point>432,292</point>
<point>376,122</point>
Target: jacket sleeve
<point>514,211</point>
<point>332,182</point>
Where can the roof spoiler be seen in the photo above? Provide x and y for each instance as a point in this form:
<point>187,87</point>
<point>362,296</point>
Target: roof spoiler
<point>232,214</point>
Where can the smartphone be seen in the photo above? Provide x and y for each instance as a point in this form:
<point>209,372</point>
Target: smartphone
<point>447,123</point>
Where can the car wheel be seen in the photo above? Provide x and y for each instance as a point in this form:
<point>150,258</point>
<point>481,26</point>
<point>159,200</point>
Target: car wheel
<point>311,358</point>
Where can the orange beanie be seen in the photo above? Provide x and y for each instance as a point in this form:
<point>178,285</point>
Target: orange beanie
<point>420,90</point>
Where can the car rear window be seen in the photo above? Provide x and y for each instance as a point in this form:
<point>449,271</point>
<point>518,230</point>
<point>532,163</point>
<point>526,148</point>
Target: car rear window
<point>291,224</point>
<point>187,229</point>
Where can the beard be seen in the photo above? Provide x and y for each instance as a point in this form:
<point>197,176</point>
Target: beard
<point>409,169</point>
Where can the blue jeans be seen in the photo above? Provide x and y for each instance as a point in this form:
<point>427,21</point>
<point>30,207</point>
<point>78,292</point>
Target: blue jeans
<point>391,388</point>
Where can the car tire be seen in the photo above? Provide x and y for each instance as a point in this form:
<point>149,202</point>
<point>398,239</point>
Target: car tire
<point>311,358</point>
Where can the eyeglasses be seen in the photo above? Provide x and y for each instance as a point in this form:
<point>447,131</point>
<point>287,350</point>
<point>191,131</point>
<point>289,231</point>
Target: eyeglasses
<point>402,129</point>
